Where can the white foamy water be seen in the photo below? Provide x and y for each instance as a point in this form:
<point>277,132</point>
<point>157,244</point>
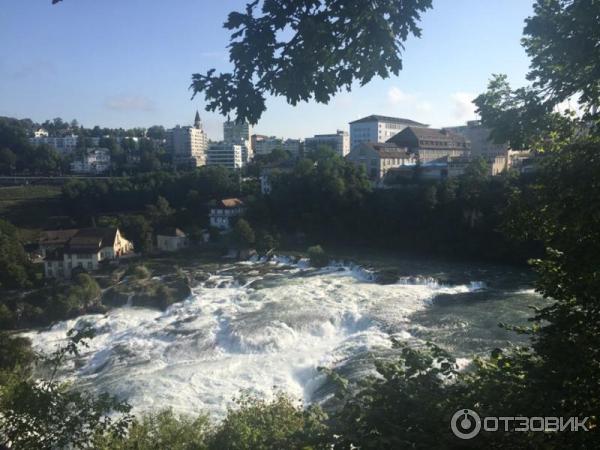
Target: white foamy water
<point>199,354</point>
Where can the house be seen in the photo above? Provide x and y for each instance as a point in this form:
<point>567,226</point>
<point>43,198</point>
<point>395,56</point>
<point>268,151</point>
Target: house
<point>430,144</point>
<point>85,249</point>
<point>171,239</point>
<point>378,158</point>
<point>95,161</point>
<point>222,213</point>
<point>51,240</point>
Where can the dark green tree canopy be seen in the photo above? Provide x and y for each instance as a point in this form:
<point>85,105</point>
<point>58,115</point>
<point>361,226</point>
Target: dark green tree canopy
<point>307,49</point>
<point>562,39</point>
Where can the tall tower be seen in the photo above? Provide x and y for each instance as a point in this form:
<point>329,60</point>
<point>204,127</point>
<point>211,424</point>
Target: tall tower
<point>197,121</point>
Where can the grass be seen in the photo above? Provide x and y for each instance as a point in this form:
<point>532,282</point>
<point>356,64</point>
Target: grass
<point>31,208</point>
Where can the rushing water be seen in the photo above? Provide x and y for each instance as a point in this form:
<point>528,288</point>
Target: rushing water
<point>272,328</point>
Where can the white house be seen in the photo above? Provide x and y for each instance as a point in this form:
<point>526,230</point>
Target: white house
<point>95,161</point>
<point>86,249</point>
<point>224,211</point>
<point>171,239</point>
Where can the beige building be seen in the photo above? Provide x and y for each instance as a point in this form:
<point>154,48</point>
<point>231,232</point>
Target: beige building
<point>379,158</point>
<point>85,249</point>
<point>171,239</point>
<point>430,144</point>
<point>188,144</point>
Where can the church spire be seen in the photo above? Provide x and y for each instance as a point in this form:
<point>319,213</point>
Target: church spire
<point>197,122</point>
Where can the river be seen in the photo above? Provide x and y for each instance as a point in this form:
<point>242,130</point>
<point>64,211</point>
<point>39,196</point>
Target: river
<point>260,327</point>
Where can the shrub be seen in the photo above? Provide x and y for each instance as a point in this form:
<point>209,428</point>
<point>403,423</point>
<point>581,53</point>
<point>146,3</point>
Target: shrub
<point>317,256</point>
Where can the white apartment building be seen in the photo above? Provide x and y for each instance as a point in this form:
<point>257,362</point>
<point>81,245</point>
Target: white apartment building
<point>375,128</point>
<point>239,133</point>
<point>225,154</point>
<point>62,145</point>
<point>339,142</point>
<point>95,161</point>
<point>188,144</point>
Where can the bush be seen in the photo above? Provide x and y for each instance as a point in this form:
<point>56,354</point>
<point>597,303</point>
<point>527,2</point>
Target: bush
<point>317,256</point>
<point>279,424</point>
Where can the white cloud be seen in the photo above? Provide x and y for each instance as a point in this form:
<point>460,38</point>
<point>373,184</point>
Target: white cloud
<point>464,109</point>
<point>129,103</point>
<point>396,96</point>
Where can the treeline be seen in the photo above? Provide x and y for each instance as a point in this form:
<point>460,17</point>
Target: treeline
<point>135,150</point>
<point>324,199</point>
<point>331,201</point>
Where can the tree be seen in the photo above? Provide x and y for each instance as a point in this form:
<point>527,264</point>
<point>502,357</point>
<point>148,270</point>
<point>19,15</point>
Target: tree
<point>8,161</point>
<point>138,230</point>
<point>317,256</point>
<point>242,234</point>
<point>563,42</point>
<point>307,50</point>
<point>44,413</point>
<point>521,118</point>
<point>278,424</point>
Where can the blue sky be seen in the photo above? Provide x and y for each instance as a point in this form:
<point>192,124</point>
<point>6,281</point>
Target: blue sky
<point>129,63</point>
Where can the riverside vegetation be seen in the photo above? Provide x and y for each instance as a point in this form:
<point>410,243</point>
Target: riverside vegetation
<point>410,402</point>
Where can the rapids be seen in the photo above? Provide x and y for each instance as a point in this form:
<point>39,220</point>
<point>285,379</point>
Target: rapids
<point>272,328</point>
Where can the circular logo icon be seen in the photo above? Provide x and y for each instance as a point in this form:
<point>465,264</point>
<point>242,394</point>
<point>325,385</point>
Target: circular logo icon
<point>465,424</point>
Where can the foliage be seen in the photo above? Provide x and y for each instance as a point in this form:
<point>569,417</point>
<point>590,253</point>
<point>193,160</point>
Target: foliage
<point>161,430</point>
<point>522,118</point>
<point>563,42</point>
<point>15,269</point>
<point>307,50</point>
<point>45,414</point>
<point>407,405</point>
<point>242,234</point>
<point>263,425</point>
<point>317,256</point>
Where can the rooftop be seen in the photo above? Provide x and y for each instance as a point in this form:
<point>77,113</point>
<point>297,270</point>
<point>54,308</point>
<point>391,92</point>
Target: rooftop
<point>230,203</point>
<point>378,118</point>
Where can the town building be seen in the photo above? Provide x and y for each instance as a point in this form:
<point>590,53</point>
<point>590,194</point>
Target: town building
<point>376,128</point>
<point>239,133</point>
<point>93,162</point>
<point>225,154</point>
<point>293,146</point>
<point>378,158</point>
<point>430,144</point>
<point>496,155</point>
<point>51,240</point>
<point>83,250</point>
<point>171,239</point>
<point>339,142</point>
<point>40,132</point>
<point>63,145</point>
<point>267,173</point>
<point>263,145</point>
<point>188,144</point>
<point>224,211</point>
